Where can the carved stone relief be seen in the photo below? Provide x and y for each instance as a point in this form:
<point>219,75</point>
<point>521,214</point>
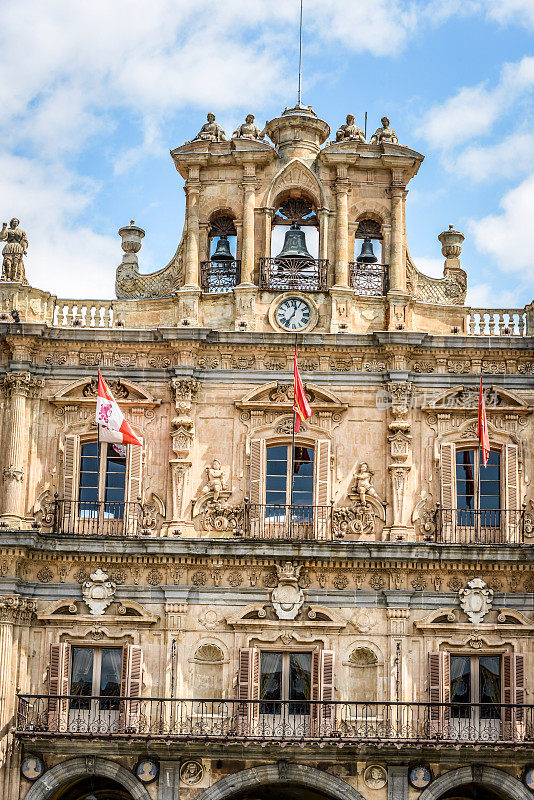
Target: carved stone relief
<point>287,597</point>
<point>98,592</point>
<point>476,600</point>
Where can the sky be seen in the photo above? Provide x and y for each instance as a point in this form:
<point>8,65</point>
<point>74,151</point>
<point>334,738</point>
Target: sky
<point>94,94</point>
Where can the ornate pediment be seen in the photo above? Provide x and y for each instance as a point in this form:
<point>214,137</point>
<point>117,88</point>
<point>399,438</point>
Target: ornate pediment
<point>499,622</point>
<point>71,611</point>
<point>263,616</point>
<point>462,398</point>
<point>84,391</point>
<point>279,395</point>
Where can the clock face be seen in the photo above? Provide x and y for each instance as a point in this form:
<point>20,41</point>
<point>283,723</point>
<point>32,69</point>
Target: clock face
<point>293,314</point>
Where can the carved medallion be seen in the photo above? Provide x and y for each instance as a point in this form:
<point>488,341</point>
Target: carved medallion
<point>98,592</point>
<point>476,600</point>
<point>287,598</point>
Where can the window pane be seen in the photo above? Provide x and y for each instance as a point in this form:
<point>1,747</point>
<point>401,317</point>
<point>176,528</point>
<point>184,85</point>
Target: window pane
<point>90,449</point>
<point>115,478</point>
<point>490,685</point>
<point>299,682</point>
<point>277,453</point>
<point>81,676</point>
<point>270,682</point>
<point>460,685</point>
<point>110,676</point>
<point>88,486</point>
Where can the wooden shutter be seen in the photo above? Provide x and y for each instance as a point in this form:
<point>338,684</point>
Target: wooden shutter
<point>256,486</point>
<point>322,692</point>
<point>71,467</point>
<point>514,690</point>
<point>322,489</point>
<point>134,489</point>
<point>131,686</point>
<point>439,692</point>
<point>248,688</point>
<point>58,686</point>
<point>448,489</point>
<point>511,495</point>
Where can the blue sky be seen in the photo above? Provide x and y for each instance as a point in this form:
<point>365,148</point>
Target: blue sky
<point>94,94</point>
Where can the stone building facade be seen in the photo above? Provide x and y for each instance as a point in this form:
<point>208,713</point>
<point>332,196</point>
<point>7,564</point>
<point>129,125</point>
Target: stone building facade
<point>176,620</point>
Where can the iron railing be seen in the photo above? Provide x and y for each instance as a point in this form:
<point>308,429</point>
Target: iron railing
<point>463,526</point>
<point>268,720</point>
<point>282,274</point>
<point>369,280</point>
<point>217,277</point>
<point>94,518</point>
<point>264,521</point>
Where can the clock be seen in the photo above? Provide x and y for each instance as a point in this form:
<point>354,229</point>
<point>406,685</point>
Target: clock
<point>293,314</point>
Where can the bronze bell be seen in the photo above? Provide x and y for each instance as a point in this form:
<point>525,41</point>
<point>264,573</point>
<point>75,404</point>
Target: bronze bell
<point>222,251</point>
<point>367,255</point>
<point>295,244</point>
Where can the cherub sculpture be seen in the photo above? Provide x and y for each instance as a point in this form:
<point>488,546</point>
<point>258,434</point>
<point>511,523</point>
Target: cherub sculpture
<point>364,483</point>
<point>216,482</point>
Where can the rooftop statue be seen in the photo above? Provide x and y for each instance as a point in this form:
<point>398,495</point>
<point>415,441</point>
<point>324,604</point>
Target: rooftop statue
<point>211,131</point>
<point>384,134</point>
<point>350,131</point>
<point>248,130</point>
<point>17,243</point>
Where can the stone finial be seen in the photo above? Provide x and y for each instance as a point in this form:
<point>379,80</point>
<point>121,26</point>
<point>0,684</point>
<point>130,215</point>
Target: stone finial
<point>16,247</point>
<point>131,237</point>
<point>248,130</point>
<point>211,131</point>
<point>349,131</point>
<point>384,134</point>
<point>451,242</point>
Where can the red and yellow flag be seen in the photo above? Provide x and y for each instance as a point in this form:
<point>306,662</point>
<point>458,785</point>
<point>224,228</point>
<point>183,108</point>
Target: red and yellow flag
<point>301,407</point>
<point>482,427</point>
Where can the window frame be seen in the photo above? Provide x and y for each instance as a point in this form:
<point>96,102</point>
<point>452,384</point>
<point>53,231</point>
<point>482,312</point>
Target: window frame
<point>102,474</point>
<point>109,703</point>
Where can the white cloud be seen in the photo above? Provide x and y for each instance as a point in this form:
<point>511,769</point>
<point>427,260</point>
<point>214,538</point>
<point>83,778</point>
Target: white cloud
<point>483,295</point>
<point>505,11</point>
<point>429,266</point>
<point>500,160</point>
<point>472,112</point>
<point>508,236</point>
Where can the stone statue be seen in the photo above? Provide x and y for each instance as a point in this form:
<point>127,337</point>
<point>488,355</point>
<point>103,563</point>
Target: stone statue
<point>211,131</point>
<point>216,482</point>
<point>248,130</point>
<point>17,243</point>
<point>364,483</point>
<point>350,131</point>
<point>384,134</point>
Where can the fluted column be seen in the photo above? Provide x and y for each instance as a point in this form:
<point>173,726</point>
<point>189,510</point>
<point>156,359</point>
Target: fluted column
<point>342,232</point>
<point>17,386</point>
<point>397,273</point>
<point>193,235</point>
<point>247,247</point>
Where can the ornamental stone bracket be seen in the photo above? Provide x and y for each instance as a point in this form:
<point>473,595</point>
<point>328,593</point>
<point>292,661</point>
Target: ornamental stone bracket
<point>476,600</point>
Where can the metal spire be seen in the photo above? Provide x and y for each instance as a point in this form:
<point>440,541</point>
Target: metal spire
<point>300,56</point>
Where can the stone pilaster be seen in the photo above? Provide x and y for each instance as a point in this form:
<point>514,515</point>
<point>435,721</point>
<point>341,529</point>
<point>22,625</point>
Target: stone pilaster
<point>400,445</point>
<point>192,191</point>
<point>342,187</point>
<point>169,780</point>
<point>182,437</point>
<point>18,386</point>
<point>397,294</point>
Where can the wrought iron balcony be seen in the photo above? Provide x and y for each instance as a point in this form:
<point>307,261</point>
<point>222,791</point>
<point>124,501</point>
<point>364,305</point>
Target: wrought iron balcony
<point>463,526</point>
<point>275,721</point>
<point>369,280</point>
<point>218,277</point>
<point>288,522</point>
<point>284,274</point>
<point>93,518</point>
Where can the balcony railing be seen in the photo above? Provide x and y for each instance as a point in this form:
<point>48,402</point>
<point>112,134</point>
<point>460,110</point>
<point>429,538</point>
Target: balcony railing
<point>278,721</point>
<point>282,274</point>
<point>369,280</point>
<point>288,522</point>
<point>462,526</point>
<point>217,277</point>
<point>93,518</point>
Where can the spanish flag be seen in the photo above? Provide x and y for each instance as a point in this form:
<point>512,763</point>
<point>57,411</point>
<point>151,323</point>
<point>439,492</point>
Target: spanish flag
<point>301,407</point>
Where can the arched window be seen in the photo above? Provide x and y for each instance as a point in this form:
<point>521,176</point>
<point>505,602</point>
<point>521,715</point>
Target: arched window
<point>295,248</point>
<point>222,271</point>
<point>368,273</point>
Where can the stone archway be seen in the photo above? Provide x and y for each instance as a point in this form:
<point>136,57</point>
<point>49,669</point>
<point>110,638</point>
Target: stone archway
<point>278,774</point>
<point>68,771</point>
<point>485,776</point>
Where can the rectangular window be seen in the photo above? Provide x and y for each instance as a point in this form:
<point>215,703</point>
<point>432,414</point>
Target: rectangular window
<point>475,679</point>
<point>278,476</point>
<point>470,504</point>
<point>102,480</point>
<point>95,672</point>
<point>285,676</point>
